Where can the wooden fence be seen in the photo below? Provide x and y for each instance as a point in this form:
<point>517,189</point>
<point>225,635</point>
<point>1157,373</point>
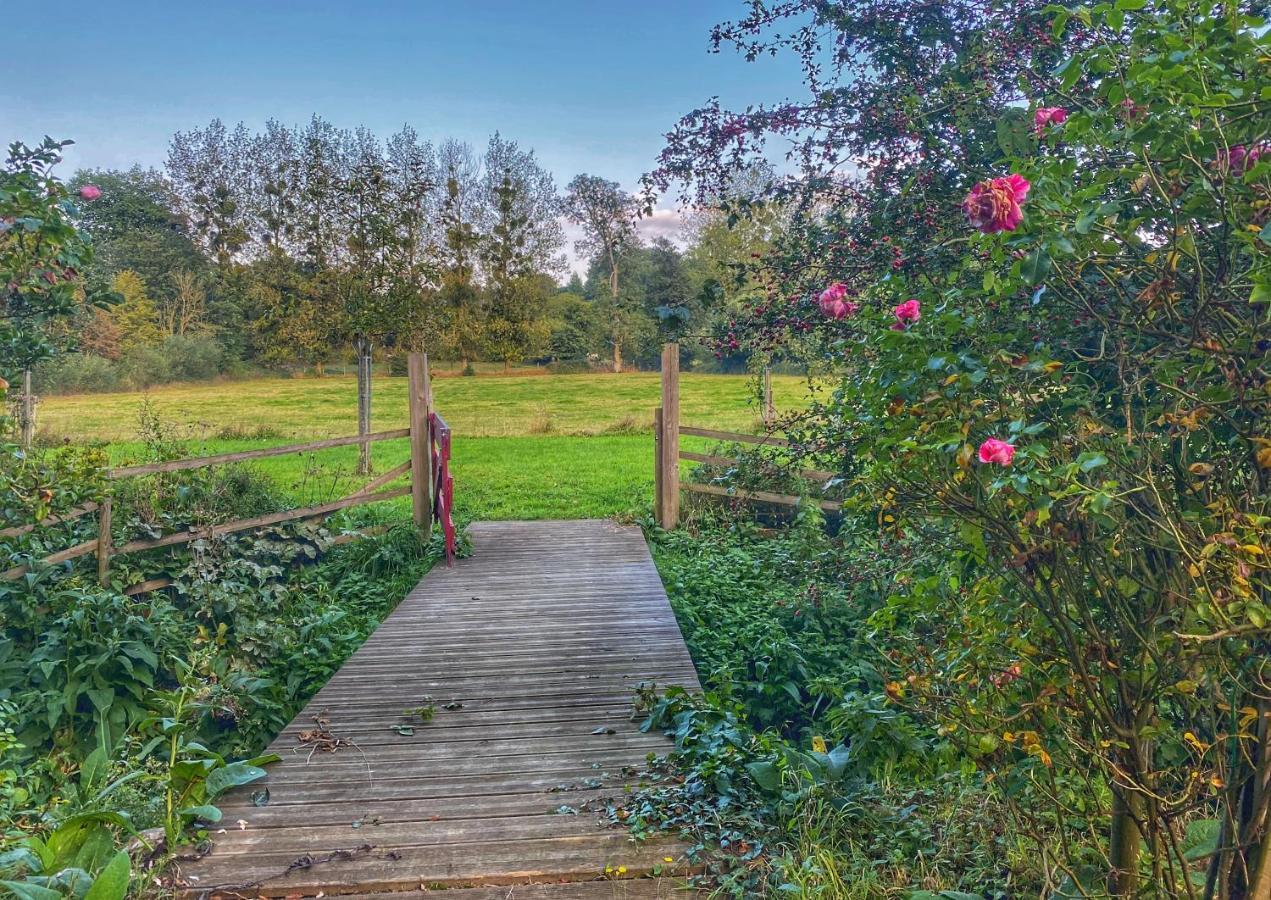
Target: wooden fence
<point>667,454</point>
<point>431,488</point>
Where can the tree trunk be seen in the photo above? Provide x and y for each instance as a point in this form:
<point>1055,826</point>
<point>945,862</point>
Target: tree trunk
<point>363,347</point>
<point>1124,844</point>
<point>617,330</point>
<point>1259,823</point>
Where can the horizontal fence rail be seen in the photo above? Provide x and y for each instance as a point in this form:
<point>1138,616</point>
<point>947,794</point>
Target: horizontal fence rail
<point>431,490</point>
<point>198,462</point>
<point>758,496</point>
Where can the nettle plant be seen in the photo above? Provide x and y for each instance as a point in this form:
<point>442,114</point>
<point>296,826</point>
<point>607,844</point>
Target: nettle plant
<point>1047,291</point>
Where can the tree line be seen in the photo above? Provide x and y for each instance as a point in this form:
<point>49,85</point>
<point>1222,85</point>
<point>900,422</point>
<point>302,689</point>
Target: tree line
<point>290,247</point>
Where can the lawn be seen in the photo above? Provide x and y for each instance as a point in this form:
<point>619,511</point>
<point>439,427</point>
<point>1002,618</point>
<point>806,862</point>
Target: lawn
<point>485,406</point>
<point>525,446</point>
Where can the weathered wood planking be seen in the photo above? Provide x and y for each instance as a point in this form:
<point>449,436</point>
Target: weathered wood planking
<point>538,641</point>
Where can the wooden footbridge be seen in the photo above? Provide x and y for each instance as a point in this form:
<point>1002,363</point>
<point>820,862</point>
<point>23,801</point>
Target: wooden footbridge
<point>469,748</point>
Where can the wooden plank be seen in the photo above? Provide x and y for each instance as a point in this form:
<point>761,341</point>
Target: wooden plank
<point>602,889</point>
<point>183,537</point>
<point>196,462</point>
<point>759,496</point>
<point>68,516</point>
<point>60,557</point>
<point>813,474</point>
<point>543,637</point>
<point>387,478</point>
<point>145,587</point>
<point>362,865</point>
<point>734,437</point>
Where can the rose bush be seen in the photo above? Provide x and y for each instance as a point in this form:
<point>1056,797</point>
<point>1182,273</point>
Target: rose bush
<point>1095,322</point>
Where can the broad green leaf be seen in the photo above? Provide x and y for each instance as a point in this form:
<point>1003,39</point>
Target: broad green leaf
<point>112,882</point>
<point>26,891</point>
<point>206,812</point>
<point>766,775</point>
<point>221,780</point>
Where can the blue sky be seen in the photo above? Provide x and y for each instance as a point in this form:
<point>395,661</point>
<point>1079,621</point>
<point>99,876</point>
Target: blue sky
<point>592,86</point>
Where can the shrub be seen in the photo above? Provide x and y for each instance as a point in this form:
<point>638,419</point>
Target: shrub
<point>1044,294</point>
<point>77,373</point>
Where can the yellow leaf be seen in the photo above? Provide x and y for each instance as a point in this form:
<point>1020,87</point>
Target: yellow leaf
<point>818,744</point>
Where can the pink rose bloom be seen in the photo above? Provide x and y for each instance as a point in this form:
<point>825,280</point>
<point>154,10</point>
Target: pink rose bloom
<point>1239,159</point>
<point>1047,116</point>
<point>995,451</point>
<point>993,205</point>
<point>908,312</point>
<point>833,304</point>
<point>90,192</point>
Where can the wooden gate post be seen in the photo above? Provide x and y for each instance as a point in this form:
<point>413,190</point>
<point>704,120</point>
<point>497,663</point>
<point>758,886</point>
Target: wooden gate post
<point>419,392</point>
<point>670,449</point>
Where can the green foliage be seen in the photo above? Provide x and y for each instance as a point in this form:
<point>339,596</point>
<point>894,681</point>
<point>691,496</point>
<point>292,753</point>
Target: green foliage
<point>796,772</point>
<point>43,256</point>
<point>1079,416</point>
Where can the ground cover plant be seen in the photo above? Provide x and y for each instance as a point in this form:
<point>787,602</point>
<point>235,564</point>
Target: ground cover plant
<point>796,772</point>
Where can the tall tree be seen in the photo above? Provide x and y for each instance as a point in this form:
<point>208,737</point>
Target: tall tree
<point>522,244</point>
<point>135,317</point>
<point>607,215</point>
<point>462,217</point>
<point>137,225</point>
<point>211,173</point>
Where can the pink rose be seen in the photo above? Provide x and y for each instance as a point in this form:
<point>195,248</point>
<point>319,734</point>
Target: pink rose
<point>995,451</point>
<point>993,205</point>
<point>908,312</point>
<point>833,304</point>
<point>1239,159</point>
<point>90,192</point>
<point>1047,116</point>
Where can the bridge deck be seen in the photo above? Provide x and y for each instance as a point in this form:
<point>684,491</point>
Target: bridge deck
<point>529,653</point>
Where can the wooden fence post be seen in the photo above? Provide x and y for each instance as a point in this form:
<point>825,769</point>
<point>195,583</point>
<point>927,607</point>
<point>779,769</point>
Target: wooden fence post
<point>420,397</point>
<point>670,449</point>
<point>657,465</point>
<point>769,411</point>
<point>103,543</point>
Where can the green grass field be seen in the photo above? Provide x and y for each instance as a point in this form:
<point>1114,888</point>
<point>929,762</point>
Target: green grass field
<point>486,406</point>
<point>525,446</point>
